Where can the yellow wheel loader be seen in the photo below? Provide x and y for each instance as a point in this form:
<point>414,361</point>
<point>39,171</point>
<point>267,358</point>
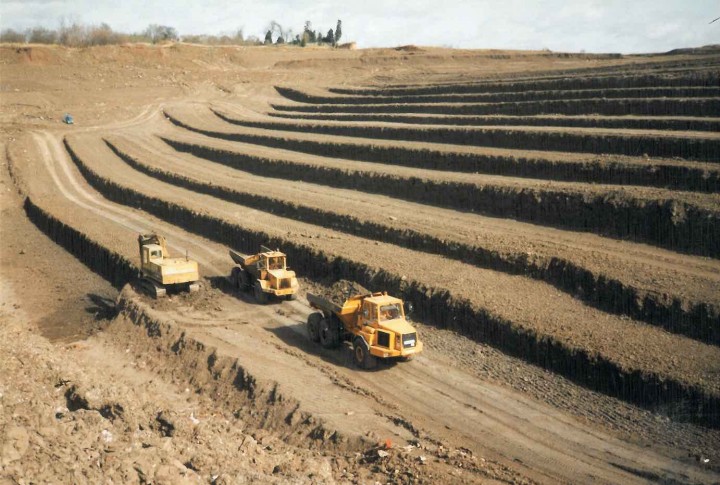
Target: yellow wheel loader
<point>265,273</point>
<point>159,271</point>
<point>374,323</point>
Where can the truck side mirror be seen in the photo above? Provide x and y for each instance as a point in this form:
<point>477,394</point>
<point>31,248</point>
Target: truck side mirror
<point>409,308</point>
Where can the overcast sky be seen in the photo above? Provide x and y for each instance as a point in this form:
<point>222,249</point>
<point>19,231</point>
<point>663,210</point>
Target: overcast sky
<point>627,26</point>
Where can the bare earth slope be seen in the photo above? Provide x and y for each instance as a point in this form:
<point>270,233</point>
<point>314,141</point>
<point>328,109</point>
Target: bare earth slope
<point>553,217</point>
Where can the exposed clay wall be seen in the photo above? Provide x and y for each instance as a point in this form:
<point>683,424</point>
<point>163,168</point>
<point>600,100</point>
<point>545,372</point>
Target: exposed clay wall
<point>695,320</point>
<point>110,265</point>
<point>593,81</point>
<point>599,106</point>
<point>531,95</point>
<point>439,307</point>
<point>667,223</point>
<point>707,149</point>
<point>677,124</point>
<point>611,172</point>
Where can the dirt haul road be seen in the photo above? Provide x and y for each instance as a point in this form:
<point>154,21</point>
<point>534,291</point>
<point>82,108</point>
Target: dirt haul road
<point>472,414</point>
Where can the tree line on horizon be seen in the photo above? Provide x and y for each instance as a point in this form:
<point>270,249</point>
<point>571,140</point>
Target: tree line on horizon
<point>76,34</point>
<point>308,36</point>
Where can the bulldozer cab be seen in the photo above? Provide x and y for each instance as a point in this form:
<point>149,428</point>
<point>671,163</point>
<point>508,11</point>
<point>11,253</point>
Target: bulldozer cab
<point>152,253</point>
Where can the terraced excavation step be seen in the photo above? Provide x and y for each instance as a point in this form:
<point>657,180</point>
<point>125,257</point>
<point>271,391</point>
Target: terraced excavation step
<point>319,97</point>
<point>706,107</point>
<point>689,145</point>
<point>548,327</point>
<point>616,276</point>
<point>677,220</point>
<point>581,167</point>
<point>579,79</point>
<point>628,122</point>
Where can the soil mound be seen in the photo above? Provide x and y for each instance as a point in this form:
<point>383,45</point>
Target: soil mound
<point>344,289</point>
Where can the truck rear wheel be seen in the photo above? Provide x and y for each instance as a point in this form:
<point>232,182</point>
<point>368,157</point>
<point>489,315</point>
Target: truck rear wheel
<point>361,352</point>
<point>313,326</point>
<point>244,280</point>
<point>235,277</point>
<point>329,334</point>
<point>260,295</point>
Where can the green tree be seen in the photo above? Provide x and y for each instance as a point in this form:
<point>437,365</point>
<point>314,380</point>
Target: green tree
<point>160,33</point>
<point>338,31</point>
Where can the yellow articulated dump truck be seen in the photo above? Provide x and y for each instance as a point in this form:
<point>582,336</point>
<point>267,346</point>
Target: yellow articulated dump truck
<point>266,273</point>
<point>374,323</point>
<point>159,271</point>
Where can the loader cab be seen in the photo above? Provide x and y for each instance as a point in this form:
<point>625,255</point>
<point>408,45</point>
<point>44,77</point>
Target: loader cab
<point>152,253</point>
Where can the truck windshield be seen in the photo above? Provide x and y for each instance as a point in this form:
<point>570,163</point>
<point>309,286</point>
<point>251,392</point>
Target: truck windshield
<point>390,312</point>
<point>275,263</point>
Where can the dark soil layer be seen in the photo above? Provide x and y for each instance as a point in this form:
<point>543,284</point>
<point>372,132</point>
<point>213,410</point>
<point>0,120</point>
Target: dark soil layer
<point>666,223</point>
<point>657,123</point>
<point>602,170</point>
<point>651,144</point>
<point>439,307</point>
<point>559,82</point>
<point>648,92</point>
<point>700,321</point>
<point>599,106</point>
<point>113,267</point>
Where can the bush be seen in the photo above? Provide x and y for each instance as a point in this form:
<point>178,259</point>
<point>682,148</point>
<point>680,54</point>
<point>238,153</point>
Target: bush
<point>12,36</point>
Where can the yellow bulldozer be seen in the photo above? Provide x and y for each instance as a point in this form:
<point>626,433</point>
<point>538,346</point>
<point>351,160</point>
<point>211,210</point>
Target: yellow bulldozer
<point>159,271</point>
<point>374,323</point>
<point>265,273</point>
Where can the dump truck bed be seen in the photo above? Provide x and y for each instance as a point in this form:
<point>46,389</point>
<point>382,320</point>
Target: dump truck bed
<point>323,303</point>
<point>239,258</point>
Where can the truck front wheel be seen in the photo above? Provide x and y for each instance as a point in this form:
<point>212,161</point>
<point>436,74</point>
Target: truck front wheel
<point>260,295</point>
<point>313,326</point>
<point>363,358</point>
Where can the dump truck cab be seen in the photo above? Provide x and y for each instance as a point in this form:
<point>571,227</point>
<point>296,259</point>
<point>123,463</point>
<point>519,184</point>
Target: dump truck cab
<point>375,323</point>
<point>382,324</point>
<point>266,273</point>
